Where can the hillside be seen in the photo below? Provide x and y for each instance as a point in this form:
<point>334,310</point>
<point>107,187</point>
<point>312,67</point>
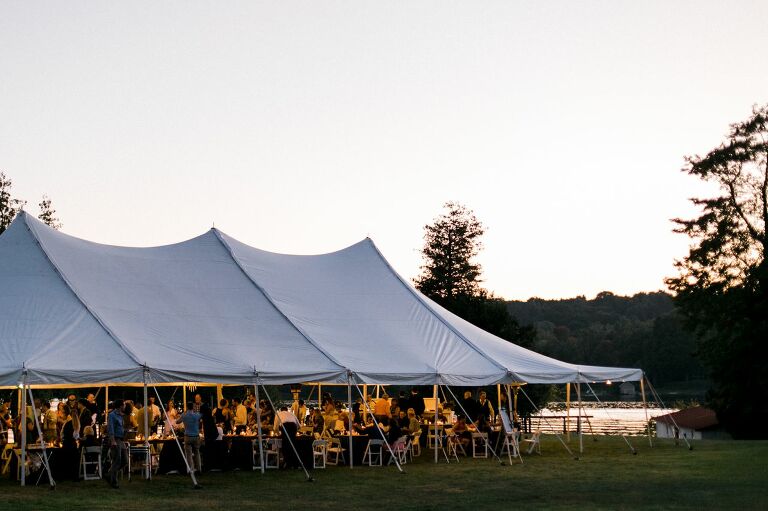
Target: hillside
<point>629,331</point>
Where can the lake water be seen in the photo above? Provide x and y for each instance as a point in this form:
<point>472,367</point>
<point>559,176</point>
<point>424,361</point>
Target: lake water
<point>611,418</point>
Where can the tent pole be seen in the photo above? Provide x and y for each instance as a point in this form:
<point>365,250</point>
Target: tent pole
<point>568,412</point>
<point>219,393</point>
<point>106,404</point>
<point>42,441</point>
<point>319,396</point>
<point>175,437</point>
<point>645,407</point>
<point>434,390</point>
<point>23,428</point>
<point>350,416</point>
<point>579,428</point>
<point>183,396</point>
<point>146,427</point>
<point>258,424</point>
<point>365,403</point>
<point>498,397</point>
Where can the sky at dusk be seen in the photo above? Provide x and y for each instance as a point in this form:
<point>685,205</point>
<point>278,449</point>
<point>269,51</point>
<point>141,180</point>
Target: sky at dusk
<point>303,127</point>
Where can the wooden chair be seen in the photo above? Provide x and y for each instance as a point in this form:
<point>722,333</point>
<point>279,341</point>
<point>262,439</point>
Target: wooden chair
<point>90,463</point>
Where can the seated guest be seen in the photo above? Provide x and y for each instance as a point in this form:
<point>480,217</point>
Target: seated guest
<point>241,415</point>
<point>89,438</point>
<point>413,423</point>
<point>402,420</point>
<point>462,432</point>
<point>393,431</point>
<point>223,415</point>
<point>318,422</point>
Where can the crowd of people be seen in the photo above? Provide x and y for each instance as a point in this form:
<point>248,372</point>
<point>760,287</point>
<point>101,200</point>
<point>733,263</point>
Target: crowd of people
<point>77,422</point>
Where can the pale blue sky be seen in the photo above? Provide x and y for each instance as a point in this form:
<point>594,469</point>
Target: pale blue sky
<point>303,127</point>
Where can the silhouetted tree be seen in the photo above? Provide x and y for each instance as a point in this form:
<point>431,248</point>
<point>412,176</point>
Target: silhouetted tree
<point>451,277</point>
<point>722,285</point>
<point>48,214</point>
<point>9,206</point>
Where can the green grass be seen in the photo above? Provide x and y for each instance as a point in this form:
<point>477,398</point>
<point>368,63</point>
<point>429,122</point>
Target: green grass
<point>715,475</point>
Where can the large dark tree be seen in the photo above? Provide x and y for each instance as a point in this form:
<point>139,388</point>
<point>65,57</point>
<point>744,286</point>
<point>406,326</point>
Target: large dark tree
<point>451,277</point>
<point>48,214</point>
<point>722,285</point>
<point>9,206</point>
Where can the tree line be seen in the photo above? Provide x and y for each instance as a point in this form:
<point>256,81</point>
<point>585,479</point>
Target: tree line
<point>10,206</point>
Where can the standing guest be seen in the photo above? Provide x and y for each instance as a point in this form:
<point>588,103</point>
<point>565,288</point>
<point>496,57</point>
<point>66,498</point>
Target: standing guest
<point>299,409</point>
<point>93,408</point>
<point>381,408</point>
<point>49,422</point>
<point>191,420</point>
<point>267,414</point>
<point>223,415</point>
<point>170,421</point>
<point>287,424</point>
<point>404,401</point>
<point>116,437</point>
<point>484,408</point>
<point>5,423</point>
<point>68,453</point>
<point>155,411</point>
<point>198,403</point>
<point>469,406</point>
<point>240,416</point>
<point>417,402</point>
<point>213,447</point>
<point>143,411</point>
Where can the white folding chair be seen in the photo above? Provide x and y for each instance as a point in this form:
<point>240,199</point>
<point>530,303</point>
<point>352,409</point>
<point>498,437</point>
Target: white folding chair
<point>272,453</point>
<point>416,443</point>
<point>335,452</point>
<point>479,445</point>
<point>400,450</point>
<point>90,458</point>
<point>534,442</point>
<point>374,453</point>
<point>319,453</point>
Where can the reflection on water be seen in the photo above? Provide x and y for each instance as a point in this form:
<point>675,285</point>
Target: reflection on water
<point>606,418</point>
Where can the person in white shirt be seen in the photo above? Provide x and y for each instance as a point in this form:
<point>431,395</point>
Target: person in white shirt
<point>286,424</point>
<point>241,415</point>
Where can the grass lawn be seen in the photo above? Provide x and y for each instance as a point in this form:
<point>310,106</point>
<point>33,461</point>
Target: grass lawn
<point>715,475</point>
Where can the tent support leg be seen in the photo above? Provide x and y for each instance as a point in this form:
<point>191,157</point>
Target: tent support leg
<point>23,428</point>
<point>146,409</point>
<point>350,417</point>
<point>568,412</point>
<point>106,403</point>
<point>175,437</point>
<point>42,441</point>
<point>579,427</point>
<point>434,390</point>
<point>260,437</point>
<point>645,407</point>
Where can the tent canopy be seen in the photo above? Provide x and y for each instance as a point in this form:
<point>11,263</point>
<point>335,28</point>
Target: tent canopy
<point>212,309</point>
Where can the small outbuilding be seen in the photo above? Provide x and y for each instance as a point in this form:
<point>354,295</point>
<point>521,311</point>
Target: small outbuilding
<point>695,423</point>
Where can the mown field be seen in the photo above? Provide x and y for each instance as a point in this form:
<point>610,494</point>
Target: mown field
<point>715,475</point>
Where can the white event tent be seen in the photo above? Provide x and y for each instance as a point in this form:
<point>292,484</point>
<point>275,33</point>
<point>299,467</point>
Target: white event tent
<point>214,310</point>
